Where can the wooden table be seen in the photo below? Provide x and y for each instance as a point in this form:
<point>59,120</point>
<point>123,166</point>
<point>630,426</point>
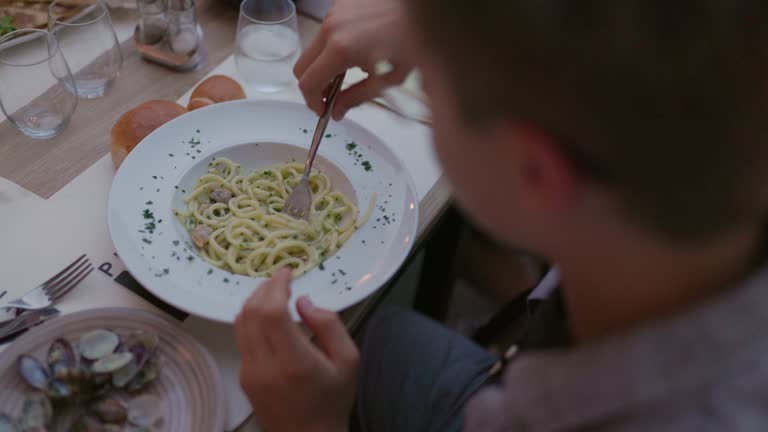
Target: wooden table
<point>45,167</point>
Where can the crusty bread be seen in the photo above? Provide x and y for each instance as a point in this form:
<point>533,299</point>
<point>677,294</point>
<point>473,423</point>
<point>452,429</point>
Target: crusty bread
<point>218,88</point>
<point>139,122</point>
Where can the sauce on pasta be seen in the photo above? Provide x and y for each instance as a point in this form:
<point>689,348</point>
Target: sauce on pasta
<point>236,222</point>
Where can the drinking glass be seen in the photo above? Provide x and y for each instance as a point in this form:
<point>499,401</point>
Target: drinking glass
<point>23,66</point>
<point>90,44</point>
<point>267,44</point>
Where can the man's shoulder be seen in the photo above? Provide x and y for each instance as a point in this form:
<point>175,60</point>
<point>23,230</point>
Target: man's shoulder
<point>703,365</point>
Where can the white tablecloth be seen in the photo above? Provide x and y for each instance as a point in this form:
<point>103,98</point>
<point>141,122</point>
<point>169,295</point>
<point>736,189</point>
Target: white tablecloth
<point>41,236</point>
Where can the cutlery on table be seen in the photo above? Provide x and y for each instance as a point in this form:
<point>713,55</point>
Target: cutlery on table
<point>45,294</point>
<point>24,322</point>
<point>299,202</point>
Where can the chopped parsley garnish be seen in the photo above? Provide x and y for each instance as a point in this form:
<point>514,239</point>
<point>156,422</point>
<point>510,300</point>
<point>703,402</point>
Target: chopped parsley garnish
<point>150,227</point>
<point>190,258</point>
<point>198,131</point>
<point>351,146</point>
<point>341,272</point>
<point>210,271</point>
<point>327,135</point>
<point>175,242</point>
<point>333,282</point>
<point>154,177</point>
<point>194,141</point>
<point>148,214</point>
<point>146,240</point>
<point>170,154</point>
<point>149,203</point>
<point>367,166</point>
<point>166,270</point>
<point>321,266</point>
<point>6,25</point>
<point>305,130</point>
<point>226,280</point>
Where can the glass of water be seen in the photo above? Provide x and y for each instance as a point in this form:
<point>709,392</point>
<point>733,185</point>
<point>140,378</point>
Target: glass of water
<point>90,44</point>
<point>267,44</point>
<point>30,61</point>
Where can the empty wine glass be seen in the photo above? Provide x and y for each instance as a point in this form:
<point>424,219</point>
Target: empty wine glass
<point>89,42</point>
<point>267,44</point>
<point>37,60</point>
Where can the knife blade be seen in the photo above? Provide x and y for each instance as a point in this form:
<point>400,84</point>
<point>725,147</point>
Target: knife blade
<point>24,322</point>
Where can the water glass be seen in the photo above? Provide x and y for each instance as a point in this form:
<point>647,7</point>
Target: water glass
<point>90,44</point>
<point>267,44</point>
<point>25,65</point>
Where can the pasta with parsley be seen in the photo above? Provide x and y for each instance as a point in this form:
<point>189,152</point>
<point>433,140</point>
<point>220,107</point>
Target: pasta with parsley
<point>235,219</point>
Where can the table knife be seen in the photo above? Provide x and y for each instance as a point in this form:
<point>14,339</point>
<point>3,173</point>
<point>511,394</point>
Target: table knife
<point>13,328</point>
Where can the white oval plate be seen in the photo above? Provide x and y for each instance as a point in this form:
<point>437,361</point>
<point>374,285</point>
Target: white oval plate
<point>189,383</point>
<point>256,134</point>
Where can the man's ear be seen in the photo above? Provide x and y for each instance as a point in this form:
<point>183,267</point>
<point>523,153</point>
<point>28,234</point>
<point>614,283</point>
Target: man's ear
<point>546,177</point>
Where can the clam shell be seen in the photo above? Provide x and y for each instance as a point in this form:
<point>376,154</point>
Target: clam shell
<point>36,413</point>
<point>111,362</point>
<point>97,344</point>
<point>58,389</point>
<point>63,352</point>
<point>7,424</point>
<point>33,372</point>
<point>110,410</point>
<point>145,410</point>
<point>87,423</point>
<point>124,375</point>
<point>146,375</point>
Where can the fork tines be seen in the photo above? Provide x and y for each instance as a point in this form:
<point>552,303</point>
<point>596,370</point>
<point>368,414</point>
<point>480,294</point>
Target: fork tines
<point>68,278</point>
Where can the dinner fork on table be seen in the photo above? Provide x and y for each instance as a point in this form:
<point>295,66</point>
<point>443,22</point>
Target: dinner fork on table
<point>47,293</point>
<point>299,202</point>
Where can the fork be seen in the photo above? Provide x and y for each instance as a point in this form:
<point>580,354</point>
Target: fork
<point>299,202</point>
<point>45,294</point>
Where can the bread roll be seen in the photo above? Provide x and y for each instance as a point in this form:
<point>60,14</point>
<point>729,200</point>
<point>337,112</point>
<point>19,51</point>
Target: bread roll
<point>139,122</point>
<point>199,103</point>
<point>218,88</point>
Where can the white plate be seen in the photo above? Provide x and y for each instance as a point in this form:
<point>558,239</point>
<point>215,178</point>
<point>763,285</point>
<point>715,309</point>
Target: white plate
<point>257,134</point>
<point>189,383</point>
<point>32,36</point>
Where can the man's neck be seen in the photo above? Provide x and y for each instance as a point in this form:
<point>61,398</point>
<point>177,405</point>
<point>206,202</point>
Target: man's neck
<point>618,283</point>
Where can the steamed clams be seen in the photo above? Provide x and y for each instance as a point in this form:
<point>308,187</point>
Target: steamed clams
<point>90,382</point>
<point>7,424</point>
<point>97,344</point>
<point>33,372</point>
<point>36,413</point>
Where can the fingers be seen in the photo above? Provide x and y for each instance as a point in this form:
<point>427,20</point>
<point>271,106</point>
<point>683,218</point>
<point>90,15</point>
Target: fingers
<point>366,90</point>
<point>332,336</point>
<point>265,319</point>
<point>319,75</point>
<point>310,54</point>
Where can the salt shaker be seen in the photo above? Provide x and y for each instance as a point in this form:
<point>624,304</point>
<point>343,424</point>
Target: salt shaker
<point>182,27</point>
<point>153,23</point>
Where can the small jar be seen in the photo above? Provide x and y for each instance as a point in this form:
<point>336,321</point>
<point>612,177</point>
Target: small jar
<point>182,27</point>
<point>153,22</point>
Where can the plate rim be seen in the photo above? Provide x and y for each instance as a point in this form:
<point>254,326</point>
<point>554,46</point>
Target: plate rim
<point>354,299</point>
<point>216,396</point>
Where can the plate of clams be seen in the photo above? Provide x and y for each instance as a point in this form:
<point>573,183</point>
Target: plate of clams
<point>109,370</point>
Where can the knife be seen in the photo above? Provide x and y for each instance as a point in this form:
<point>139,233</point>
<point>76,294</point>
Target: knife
<point>15,327</point>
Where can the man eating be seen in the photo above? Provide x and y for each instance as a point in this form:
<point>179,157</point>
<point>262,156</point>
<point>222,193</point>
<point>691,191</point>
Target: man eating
<point>625,142</point>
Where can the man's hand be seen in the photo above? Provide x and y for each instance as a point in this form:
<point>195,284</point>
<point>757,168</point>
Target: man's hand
<point>292,384</point>
<point>354,33</point>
